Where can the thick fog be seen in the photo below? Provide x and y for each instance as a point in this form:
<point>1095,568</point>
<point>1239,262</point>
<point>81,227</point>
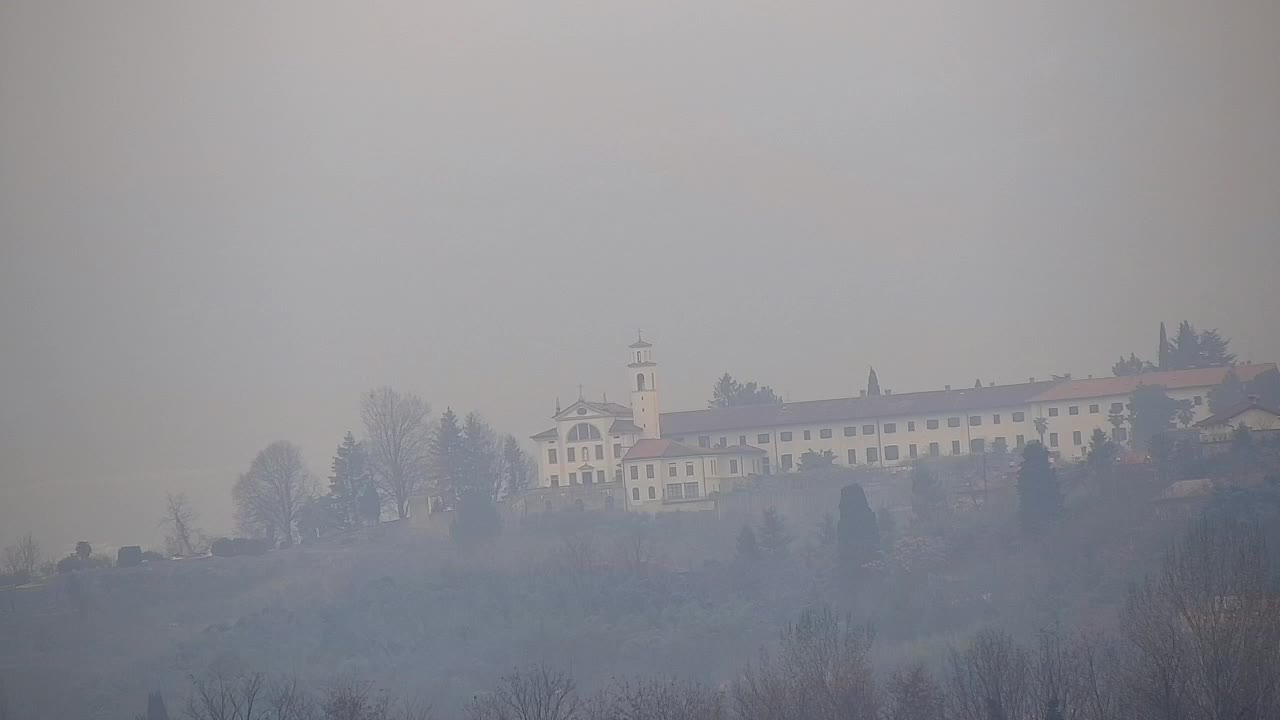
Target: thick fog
<point>221,223</point>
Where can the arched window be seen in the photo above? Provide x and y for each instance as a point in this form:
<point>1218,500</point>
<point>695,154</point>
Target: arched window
<point>583,432</point>
<point>635,494</point>
<point>652,495</point>
<point>640,381</point>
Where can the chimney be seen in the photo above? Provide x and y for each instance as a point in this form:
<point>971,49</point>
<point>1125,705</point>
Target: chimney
<point>1031,379</point>
<point>991,384</point>
<point>948,387</point>
<point>887,391</point>
<point>1090,376</point>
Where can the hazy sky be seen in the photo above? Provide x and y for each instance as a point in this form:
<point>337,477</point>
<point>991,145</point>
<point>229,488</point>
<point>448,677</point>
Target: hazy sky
<point>220,222</point>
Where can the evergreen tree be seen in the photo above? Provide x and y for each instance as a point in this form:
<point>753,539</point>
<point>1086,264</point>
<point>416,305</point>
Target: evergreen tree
<point>725,392</point>
<point>1151,412</point>
<point>475,518</point>
<point>1267,387</point>
<point>1102,450</point>
<point>1162,359</point>
<point>351,473</point>
<point>858,533</point>
<point>370,505</point>
<point>748,548</point>
<point>446,457</point>
<point>873,384</point>
<point>774,538</point>
<point>479,458</point>
<point>1133,365</point>
<point>155,707</point>
<point>1213,350</point>
<point>1039,497</point>
<point>1184,352</point>
<point>518,469</point>
<point>83,550</point>
<point>977,384</point>
<point>1191,349</point>
<point>1226,393</point>
<point>728,392</point>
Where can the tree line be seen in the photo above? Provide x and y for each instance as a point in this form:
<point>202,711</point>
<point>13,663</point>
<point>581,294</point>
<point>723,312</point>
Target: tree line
<point>1199,639</point>
<point>1187,350</point>
<point>463,463</point>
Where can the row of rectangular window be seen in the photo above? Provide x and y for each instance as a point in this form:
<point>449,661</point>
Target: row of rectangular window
<point>888,428</point>
<point>586,478</point>
<point>571,454</point>
<point>682,491</point>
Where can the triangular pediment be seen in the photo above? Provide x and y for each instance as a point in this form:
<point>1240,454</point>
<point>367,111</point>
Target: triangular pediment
<point>586,410</point>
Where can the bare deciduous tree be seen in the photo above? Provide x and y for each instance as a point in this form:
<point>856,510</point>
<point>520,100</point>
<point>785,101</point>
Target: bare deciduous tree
<point>636,548</point>
<point>538,693</point>
<point>1205,633</point>
<point>223,697</point>
<point>991,680</point>
<point>22,559</point>
<point>657,700</point>
<point>271,494</point>
<point>182,537</point>
<point>287,701</point>
<point>913,694</point>
<point>822,672</point>
<point>399,437</point>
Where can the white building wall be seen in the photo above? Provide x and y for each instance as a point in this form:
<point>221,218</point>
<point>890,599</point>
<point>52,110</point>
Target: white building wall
<point>1072,431</point>
<point>880,442</point>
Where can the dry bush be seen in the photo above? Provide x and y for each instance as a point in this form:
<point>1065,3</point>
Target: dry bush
<point>538,693</point>
<point>657,700</point>
<point>1206,632</point>
<point>822,671</point>
<point>911,693</point>
<point>991,680</point>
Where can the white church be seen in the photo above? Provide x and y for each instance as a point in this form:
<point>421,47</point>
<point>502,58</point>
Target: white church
<point>604,442</point>
<point>677,460</point>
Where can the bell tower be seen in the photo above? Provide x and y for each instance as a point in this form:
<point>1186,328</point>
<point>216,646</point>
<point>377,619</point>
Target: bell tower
<point>643,378</point>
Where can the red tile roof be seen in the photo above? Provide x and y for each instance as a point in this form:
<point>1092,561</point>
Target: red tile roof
<point>1225,416</point>
<point>1171,379</point>
<point>813,412</point>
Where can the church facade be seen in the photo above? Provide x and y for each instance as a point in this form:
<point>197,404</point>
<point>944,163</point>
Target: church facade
<point>677,460</point>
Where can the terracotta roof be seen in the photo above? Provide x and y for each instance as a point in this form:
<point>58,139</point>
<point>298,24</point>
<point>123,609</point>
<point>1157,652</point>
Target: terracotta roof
<point>544,435</point>
<point>734,450</point>
<point>1225,416</point>
<point>1171,379</point>
<point>651,448</point>
<point>813,412</point>
<point>622,426</point>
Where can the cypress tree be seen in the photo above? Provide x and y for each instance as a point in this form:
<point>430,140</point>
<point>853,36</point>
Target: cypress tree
<point>873,384</point>
<point>857,532</point>
<point>1039,497</point>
